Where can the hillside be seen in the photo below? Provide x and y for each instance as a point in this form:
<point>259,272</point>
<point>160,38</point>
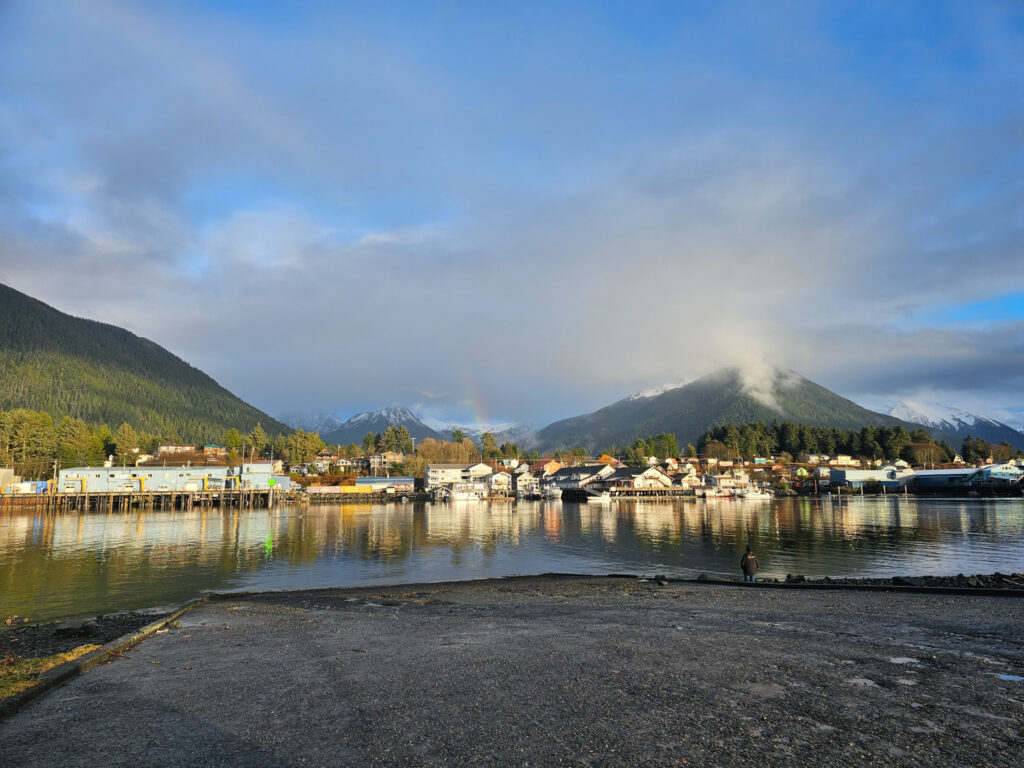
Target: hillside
<point>355,429</point>
<point>53,362</point>
<point>719,398</point>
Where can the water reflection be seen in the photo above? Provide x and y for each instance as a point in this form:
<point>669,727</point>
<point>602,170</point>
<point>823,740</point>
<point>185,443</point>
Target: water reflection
<point>58,565</point>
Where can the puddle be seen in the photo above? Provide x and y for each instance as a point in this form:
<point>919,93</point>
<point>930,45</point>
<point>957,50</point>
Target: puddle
<point>903,660</point>
<point>1011,678</point>
<point>906,681</point>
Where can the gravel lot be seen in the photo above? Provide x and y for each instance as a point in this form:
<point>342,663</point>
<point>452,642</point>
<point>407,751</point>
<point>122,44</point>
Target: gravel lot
<point>551,671</point>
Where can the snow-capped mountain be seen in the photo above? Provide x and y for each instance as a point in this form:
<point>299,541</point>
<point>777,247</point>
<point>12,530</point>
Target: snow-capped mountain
<point>504,432</point>
<point>313,421</point>
<point>957,421</point>
<point>355,428</point>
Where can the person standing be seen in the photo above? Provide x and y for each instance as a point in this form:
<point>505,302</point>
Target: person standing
<point>748,563</point>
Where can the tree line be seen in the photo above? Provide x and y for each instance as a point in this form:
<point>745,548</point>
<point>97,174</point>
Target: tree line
<point>32,443</point>
<point>917,447</point>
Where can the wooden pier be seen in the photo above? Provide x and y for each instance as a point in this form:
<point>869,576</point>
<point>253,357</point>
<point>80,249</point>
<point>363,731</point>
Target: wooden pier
<point>124,501</point>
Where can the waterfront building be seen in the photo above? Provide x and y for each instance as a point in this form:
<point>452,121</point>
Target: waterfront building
<point>164,479</point>
<point>437,475</point>
<point>636,478</point>
<point>526,484</point>
<point>577,478</point>
<point>500,482</point>
<point>394,484</point>
<point>888,477</point>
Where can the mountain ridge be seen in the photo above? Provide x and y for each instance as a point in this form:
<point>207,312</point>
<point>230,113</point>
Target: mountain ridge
<point>102,373</point>
<point>718,398</point>
<point>958,422</point>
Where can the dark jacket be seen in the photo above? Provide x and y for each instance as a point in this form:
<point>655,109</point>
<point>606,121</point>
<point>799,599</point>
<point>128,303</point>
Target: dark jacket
<point>749,563</point>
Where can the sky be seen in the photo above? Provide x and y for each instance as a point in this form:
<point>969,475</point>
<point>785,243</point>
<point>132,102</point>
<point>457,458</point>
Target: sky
<point>525,211</point>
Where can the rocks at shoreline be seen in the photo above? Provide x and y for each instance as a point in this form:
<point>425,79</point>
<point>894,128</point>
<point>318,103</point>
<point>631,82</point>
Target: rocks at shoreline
<point>960,581</point>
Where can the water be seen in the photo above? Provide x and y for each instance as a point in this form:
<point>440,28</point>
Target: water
<point>75,565</point>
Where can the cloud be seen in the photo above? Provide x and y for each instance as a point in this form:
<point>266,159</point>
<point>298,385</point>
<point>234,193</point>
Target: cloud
<point>532,214</point>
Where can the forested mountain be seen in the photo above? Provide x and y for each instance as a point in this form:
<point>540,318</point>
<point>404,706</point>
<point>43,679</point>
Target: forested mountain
<point>720,398</point>
<point>67,366</point>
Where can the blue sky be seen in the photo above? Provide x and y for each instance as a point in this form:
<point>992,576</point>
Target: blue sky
<point>471,207</point>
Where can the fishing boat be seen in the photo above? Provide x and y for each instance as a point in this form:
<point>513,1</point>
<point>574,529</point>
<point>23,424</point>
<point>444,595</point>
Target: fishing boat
<point>755,494</point>
<point>599,498</point>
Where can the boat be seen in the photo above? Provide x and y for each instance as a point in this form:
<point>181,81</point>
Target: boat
<point>468,492</point>
<point>718,493</point>
<point>599,498</point>
<point>552,493</point>
<point>755,494</point>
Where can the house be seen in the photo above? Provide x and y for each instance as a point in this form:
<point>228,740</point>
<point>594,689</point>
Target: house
<point>685,481</point>
<point>636,478</point>
<point>214,451</point>
<point>546,467</point>
<point>670,464</point>
<point>526,484</point>
<point>330,457</point>
<point>381,462</point>
<point>351,465</point>
<point>577,478</point>
<point>437,475</point>
<point>172,448</point>
<point>500,482</point>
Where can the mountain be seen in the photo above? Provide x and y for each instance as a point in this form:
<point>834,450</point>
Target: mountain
<point>505,432</point>
<point>65,366</point>
<point>355,429</point>
<point>313,421</point>
<point>722,397</point>
<point>957,422</point>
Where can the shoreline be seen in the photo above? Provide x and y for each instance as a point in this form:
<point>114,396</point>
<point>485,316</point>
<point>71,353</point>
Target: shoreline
<point>603,670</point>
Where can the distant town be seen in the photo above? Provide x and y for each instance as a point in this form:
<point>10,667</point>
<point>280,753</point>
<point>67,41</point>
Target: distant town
<point>253,470</point>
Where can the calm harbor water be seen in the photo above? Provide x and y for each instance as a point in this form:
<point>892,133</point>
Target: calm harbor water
<point>68,565</point>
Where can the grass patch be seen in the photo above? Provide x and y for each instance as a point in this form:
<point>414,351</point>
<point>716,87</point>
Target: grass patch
<point>18,674</point>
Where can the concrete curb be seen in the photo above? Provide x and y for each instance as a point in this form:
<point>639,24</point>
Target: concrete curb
<point>51,678</point>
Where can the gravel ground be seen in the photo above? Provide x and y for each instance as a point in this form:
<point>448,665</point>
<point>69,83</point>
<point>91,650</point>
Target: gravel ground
<point>551,671</point>
<point>36,640</point>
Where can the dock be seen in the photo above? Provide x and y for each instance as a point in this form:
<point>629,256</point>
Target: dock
<point>123,501</point>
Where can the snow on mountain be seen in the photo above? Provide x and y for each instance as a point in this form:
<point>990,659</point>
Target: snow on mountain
<point>931,415</point>
<point>313,421</point>
<point>957,421</point>
<point>655,391</point>
<point>504,432</point>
